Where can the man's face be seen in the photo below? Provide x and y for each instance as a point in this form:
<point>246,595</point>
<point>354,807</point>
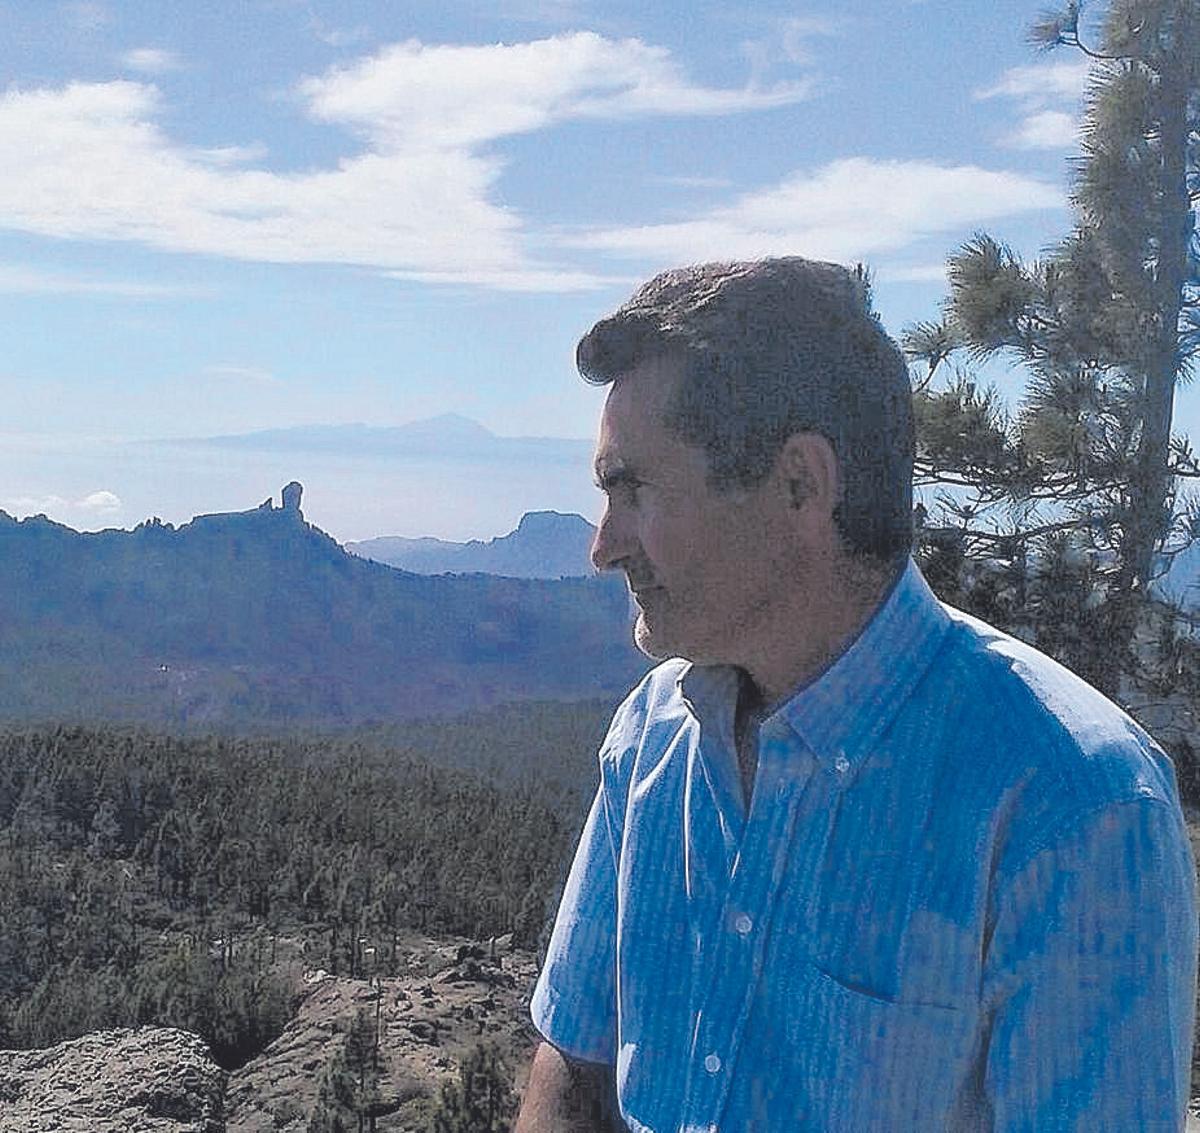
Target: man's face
<point>706,567</point>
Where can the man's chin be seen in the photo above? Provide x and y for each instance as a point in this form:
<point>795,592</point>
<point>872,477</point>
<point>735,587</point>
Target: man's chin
<point>648,641</point>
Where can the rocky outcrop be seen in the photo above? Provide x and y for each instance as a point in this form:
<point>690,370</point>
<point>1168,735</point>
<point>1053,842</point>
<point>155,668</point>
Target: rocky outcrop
<point>453,996</point>
<point>160,1080</point>
<point>152,1080</point>
<point>291,496</point>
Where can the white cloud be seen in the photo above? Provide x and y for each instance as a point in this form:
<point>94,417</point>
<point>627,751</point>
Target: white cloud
<point>854,208</point>
<point>225,156</point>
<point>150,60</point>
<point>1064,78</point>
<point>96,166</point>
<point>516,279</point>
<point>102,501</point>
<point>1045,129</point>
<point>34,505</point>
<point>417,199</point>
<point>1049,96</point>
<point>16,279</point>
<point>790,42</point>
<point>411,95</point>
<point>799,31</point>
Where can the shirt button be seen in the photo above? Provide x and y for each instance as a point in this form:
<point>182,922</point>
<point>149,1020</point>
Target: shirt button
<point>743,924</point>
<point>842,764</point>
<point>712,1063</point>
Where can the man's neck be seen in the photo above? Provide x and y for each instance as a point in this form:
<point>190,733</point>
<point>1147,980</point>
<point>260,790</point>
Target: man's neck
<point>747,718</point>
<point>831,628</point>
<point>828,617</point>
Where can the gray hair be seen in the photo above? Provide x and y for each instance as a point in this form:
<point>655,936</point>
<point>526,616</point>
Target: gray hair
<point>767,349</point>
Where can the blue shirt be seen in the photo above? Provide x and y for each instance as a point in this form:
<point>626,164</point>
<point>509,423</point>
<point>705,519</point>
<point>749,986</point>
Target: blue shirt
<point>962,899</point>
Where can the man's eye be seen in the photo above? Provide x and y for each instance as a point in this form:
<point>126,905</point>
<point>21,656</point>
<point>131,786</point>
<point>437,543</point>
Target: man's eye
<point>624,489</point>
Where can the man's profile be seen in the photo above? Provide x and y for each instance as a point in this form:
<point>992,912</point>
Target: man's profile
<point>857,861</point>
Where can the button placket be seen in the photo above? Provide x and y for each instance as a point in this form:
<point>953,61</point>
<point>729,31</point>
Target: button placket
<point>723,1003</point>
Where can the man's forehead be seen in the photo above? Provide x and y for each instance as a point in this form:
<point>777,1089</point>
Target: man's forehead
<point>640,398</point>
<point>628,426</point>
<point>660,369</point>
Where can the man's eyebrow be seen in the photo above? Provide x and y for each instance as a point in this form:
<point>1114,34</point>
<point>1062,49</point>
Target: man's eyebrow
<point>612,473</point>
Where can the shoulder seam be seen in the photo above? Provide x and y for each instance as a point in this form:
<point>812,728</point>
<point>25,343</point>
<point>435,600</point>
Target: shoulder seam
<point>1077,820</point>
<point>1015,691</point>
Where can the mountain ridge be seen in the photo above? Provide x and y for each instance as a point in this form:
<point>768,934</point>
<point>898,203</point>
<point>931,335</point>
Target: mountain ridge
<point>258,617</point>
<point>544,544</point>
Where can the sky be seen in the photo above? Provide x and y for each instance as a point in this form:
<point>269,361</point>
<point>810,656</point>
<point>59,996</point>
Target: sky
<point>227,217</point>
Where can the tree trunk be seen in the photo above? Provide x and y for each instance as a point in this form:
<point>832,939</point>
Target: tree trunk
<point>1152,486</point>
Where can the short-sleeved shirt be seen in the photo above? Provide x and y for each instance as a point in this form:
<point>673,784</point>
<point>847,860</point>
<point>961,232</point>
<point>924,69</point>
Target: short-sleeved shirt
<point>962,898</point>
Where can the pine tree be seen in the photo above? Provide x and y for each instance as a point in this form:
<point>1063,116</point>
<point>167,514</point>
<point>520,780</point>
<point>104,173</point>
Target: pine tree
<point>482,1100</point>
<point>1079,486</point>
<point>349,1090</point>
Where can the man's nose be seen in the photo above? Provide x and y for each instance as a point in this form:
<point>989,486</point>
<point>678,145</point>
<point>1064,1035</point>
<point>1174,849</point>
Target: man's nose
<point>611,543</point>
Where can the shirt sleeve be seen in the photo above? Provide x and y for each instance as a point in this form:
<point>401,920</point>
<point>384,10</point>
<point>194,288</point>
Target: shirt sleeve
<point>574,1002</point>
<point>1091,978</point>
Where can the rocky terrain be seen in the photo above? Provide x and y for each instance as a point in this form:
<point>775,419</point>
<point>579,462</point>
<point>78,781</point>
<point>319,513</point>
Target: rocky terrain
<point>159,1080</point>
<point>456,995</point>
<point>155,1080</point>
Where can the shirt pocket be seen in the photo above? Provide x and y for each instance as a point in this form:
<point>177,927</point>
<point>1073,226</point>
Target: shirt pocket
<point>862,1062</point>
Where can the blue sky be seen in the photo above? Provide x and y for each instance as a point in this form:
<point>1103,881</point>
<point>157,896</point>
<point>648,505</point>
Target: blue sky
<point>232,216</point>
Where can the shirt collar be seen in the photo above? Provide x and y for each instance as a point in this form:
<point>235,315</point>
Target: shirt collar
<point>711,693</point>
<point>842,711</point>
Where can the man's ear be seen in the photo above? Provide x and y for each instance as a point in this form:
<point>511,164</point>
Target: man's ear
<point>808,471</point>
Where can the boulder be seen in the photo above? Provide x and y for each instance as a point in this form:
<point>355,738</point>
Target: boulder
<point>150,1080</point>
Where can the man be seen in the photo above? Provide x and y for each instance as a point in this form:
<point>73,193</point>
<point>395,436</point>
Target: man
<point>857,861</point>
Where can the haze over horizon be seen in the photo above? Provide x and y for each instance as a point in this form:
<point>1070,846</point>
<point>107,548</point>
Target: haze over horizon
<point>275,214</point>
<point>342,469</point>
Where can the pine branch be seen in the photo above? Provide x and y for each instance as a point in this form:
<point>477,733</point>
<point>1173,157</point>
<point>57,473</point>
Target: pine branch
<point>931,343</point>
<point>1061,29</point>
